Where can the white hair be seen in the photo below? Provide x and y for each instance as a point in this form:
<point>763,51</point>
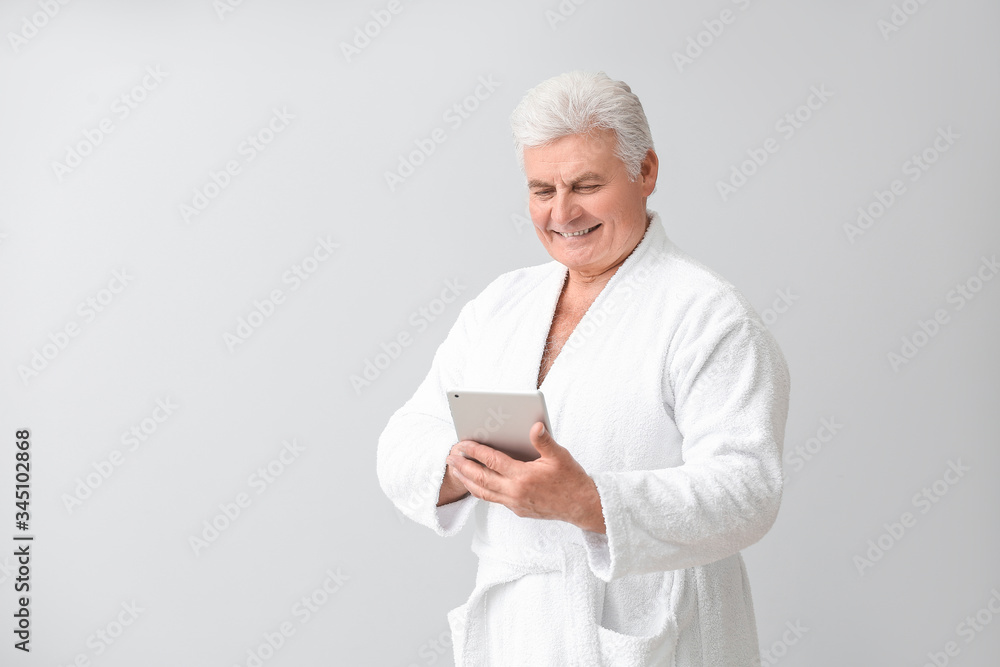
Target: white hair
<point>579,103</point>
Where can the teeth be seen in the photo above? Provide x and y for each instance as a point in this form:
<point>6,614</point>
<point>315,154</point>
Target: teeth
<point>579,233</point>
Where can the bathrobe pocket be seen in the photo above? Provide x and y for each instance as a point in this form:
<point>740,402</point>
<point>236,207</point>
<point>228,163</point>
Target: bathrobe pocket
<point>618,650</point>
<point>457,622</point>
<point>638,625</point>
<point>469,632</point>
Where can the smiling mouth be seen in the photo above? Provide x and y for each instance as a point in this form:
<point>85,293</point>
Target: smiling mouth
<point>582,232</point>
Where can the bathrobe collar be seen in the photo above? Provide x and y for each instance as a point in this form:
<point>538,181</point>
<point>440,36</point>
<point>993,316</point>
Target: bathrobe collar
<point>654,239</point>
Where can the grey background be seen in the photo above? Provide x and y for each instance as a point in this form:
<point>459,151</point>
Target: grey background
<point>460,217</point>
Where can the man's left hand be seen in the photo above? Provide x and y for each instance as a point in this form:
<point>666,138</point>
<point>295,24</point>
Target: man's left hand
<point>553,486</point>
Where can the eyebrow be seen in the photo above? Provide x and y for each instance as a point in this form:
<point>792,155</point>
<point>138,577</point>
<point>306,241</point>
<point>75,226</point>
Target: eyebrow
<point>588,176</point>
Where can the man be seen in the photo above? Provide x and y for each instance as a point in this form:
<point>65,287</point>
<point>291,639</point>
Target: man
<point>667,398</point>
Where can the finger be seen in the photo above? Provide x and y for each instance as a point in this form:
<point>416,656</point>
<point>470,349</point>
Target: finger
<point>542,440</point>
<point>477,483</point>
<point>486,455</point>
<point>462,466</point>
<point>471,469</point>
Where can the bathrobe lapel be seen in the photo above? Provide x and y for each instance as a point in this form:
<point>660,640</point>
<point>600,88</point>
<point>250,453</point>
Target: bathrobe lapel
<point>509,353</point>
<point>516,367</point>
<point>508,356</point>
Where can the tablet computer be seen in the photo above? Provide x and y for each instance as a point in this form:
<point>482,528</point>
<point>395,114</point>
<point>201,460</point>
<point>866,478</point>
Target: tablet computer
<point>500,419</point>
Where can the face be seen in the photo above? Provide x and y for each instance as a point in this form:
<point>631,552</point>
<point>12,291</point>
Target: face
<point>586,212</point>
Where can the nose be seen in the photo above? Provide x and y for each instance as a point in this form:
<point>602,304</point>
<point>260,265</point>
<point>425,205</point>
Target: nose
<point>564,208</point>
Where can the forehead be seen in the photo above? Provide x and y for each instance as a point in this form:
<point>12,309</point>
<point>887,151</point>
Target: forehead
<point>572,155</point>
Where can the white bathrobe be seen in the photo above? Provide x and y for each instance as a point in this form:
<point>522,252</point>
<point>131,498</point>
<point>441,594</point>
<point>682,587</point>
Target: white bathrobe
<point>673,396</point>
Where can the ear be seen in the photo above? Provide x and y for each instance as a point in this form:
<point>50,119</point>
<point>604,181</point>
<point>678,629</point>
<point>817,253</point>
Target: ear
<point>648,171</point>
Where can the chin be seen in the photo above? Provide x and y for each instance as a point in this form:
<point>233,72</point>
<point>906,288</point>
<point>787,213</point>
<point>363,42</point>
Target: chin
<point>575,261</point>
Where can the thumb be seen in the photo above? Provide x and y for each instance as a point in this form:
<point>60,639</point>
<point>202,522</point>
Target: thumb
<point>542,439</point>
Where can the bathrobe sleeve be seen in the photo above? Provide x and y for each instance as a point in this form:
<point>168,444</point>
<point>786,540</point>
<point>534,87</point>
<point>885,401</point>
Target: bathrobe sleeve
<point>414,444</point>
<point>727,386</point>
